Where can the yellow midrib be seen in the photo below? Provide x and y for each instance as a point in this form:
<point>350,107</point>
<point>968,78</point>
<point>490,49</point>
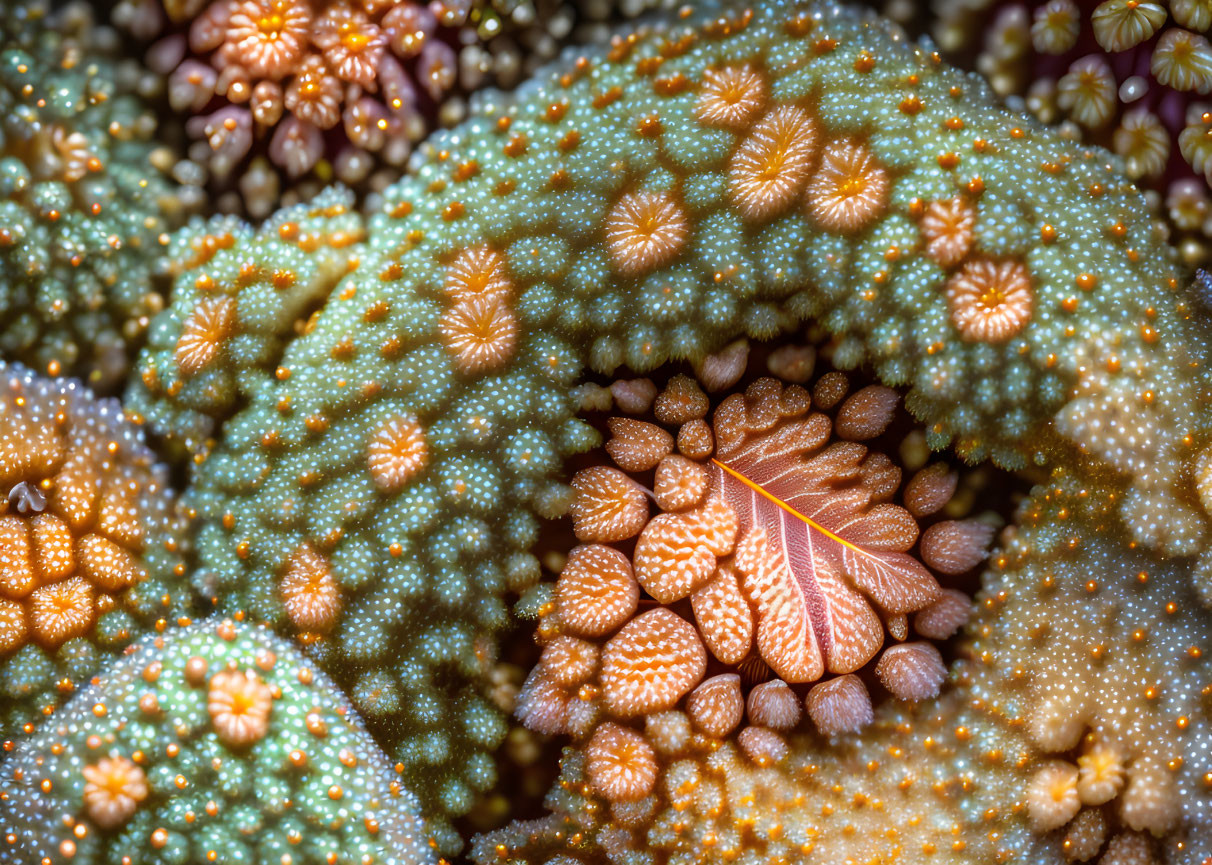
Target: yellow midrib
<point>756,487</point>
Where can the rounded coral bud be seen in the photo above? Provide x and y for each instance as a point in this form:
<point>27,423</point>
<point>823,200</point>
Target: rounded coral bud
<point>763,746</point>
<point>723,369</point>
<point>1084,836</point>
<point>546,707</point>
<point>849,189</point>
<point>645,230</point>
<point>113,789</point>
<point>569,661</point>
<point>840,705</point>
<point>397,450</point>
<point>990,301</point>
<point>635,445</point>
<point>480,334</point>
<point>1057,721</point>
<point>310,593</point>
<point>696,440</point>
<point>239,704</point>
<point>681,401</point>
<point>203,333</point>
<point>930,489</point>
<point>955,546</point>
<point>596,591</point>
<point>866,413</point>
<point>1151,801</point>
<point>773,162</point>
<point>680,483</point>
<point>724,617</point>
<point>730,96</point>
<point>947,230</point>
<point>606,506</point>
<point>633,396</point>
<point>669,732</point>
<point>1102,775</point>
<point>716,705</point>
<point>1052,799</point>
<point>620,763</point>
<point>477,271</point>
<point>672,558</point>
<point>651,663</point>
<point>912,671</point>
<point>945,616</point>
<point>773,704</point>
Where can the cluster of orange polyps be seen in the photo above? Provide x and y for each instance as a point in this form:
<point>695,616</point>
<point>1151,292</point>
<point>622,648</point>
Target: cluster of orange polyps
<point>778,555</point>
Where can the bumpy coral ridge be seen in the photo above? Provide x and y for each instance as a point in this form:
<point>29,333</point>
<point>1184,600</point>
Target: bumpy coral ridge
<point>83,197</point>
<point>238,293</point>
<point>215,741</point>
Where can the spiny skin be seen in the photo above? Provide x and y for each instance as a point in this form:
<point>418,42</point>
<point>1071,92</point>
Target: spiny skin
<point>312,785</point>
<point>83,197</point>
<point>238,292</point>
<point>521,195</point>
<point>92,541</point>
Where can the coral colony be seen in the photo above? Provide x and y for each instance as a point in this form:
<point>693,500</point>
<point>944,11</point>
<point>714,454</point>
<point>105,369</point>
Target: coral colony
<point>752,429</point>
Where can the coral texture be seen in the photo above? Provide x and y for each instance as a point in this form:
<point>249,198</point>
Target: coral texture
<point>281,96</point>
<point>381,411</point>
<point>92,540</point>
<point>215,741</point>
<point>510,260</point>
<point>1125,74</point>
<point>84,201</point>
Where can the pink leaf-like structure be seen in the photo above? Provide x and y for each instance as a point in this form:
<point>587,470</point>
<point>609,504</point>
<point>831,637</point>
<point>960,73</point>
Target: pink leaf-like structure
<point>814,539</point>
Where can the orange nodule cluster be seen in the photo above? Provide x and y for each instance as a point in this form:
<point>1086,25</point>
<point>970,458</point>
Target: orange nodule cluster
<point>479,329</point>
<point>81,493</point>
<point>785,154</point>
<point>797,562</point>
<point>113,789</point>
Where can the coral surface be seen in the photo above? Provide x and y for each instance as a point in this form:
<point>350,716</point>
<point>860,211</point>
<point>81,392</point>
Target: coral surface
<point>1129,75</point>
<point>213,742</point>
<point>281,96</point>
<point>84,202</point>
<point>384,412</point>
